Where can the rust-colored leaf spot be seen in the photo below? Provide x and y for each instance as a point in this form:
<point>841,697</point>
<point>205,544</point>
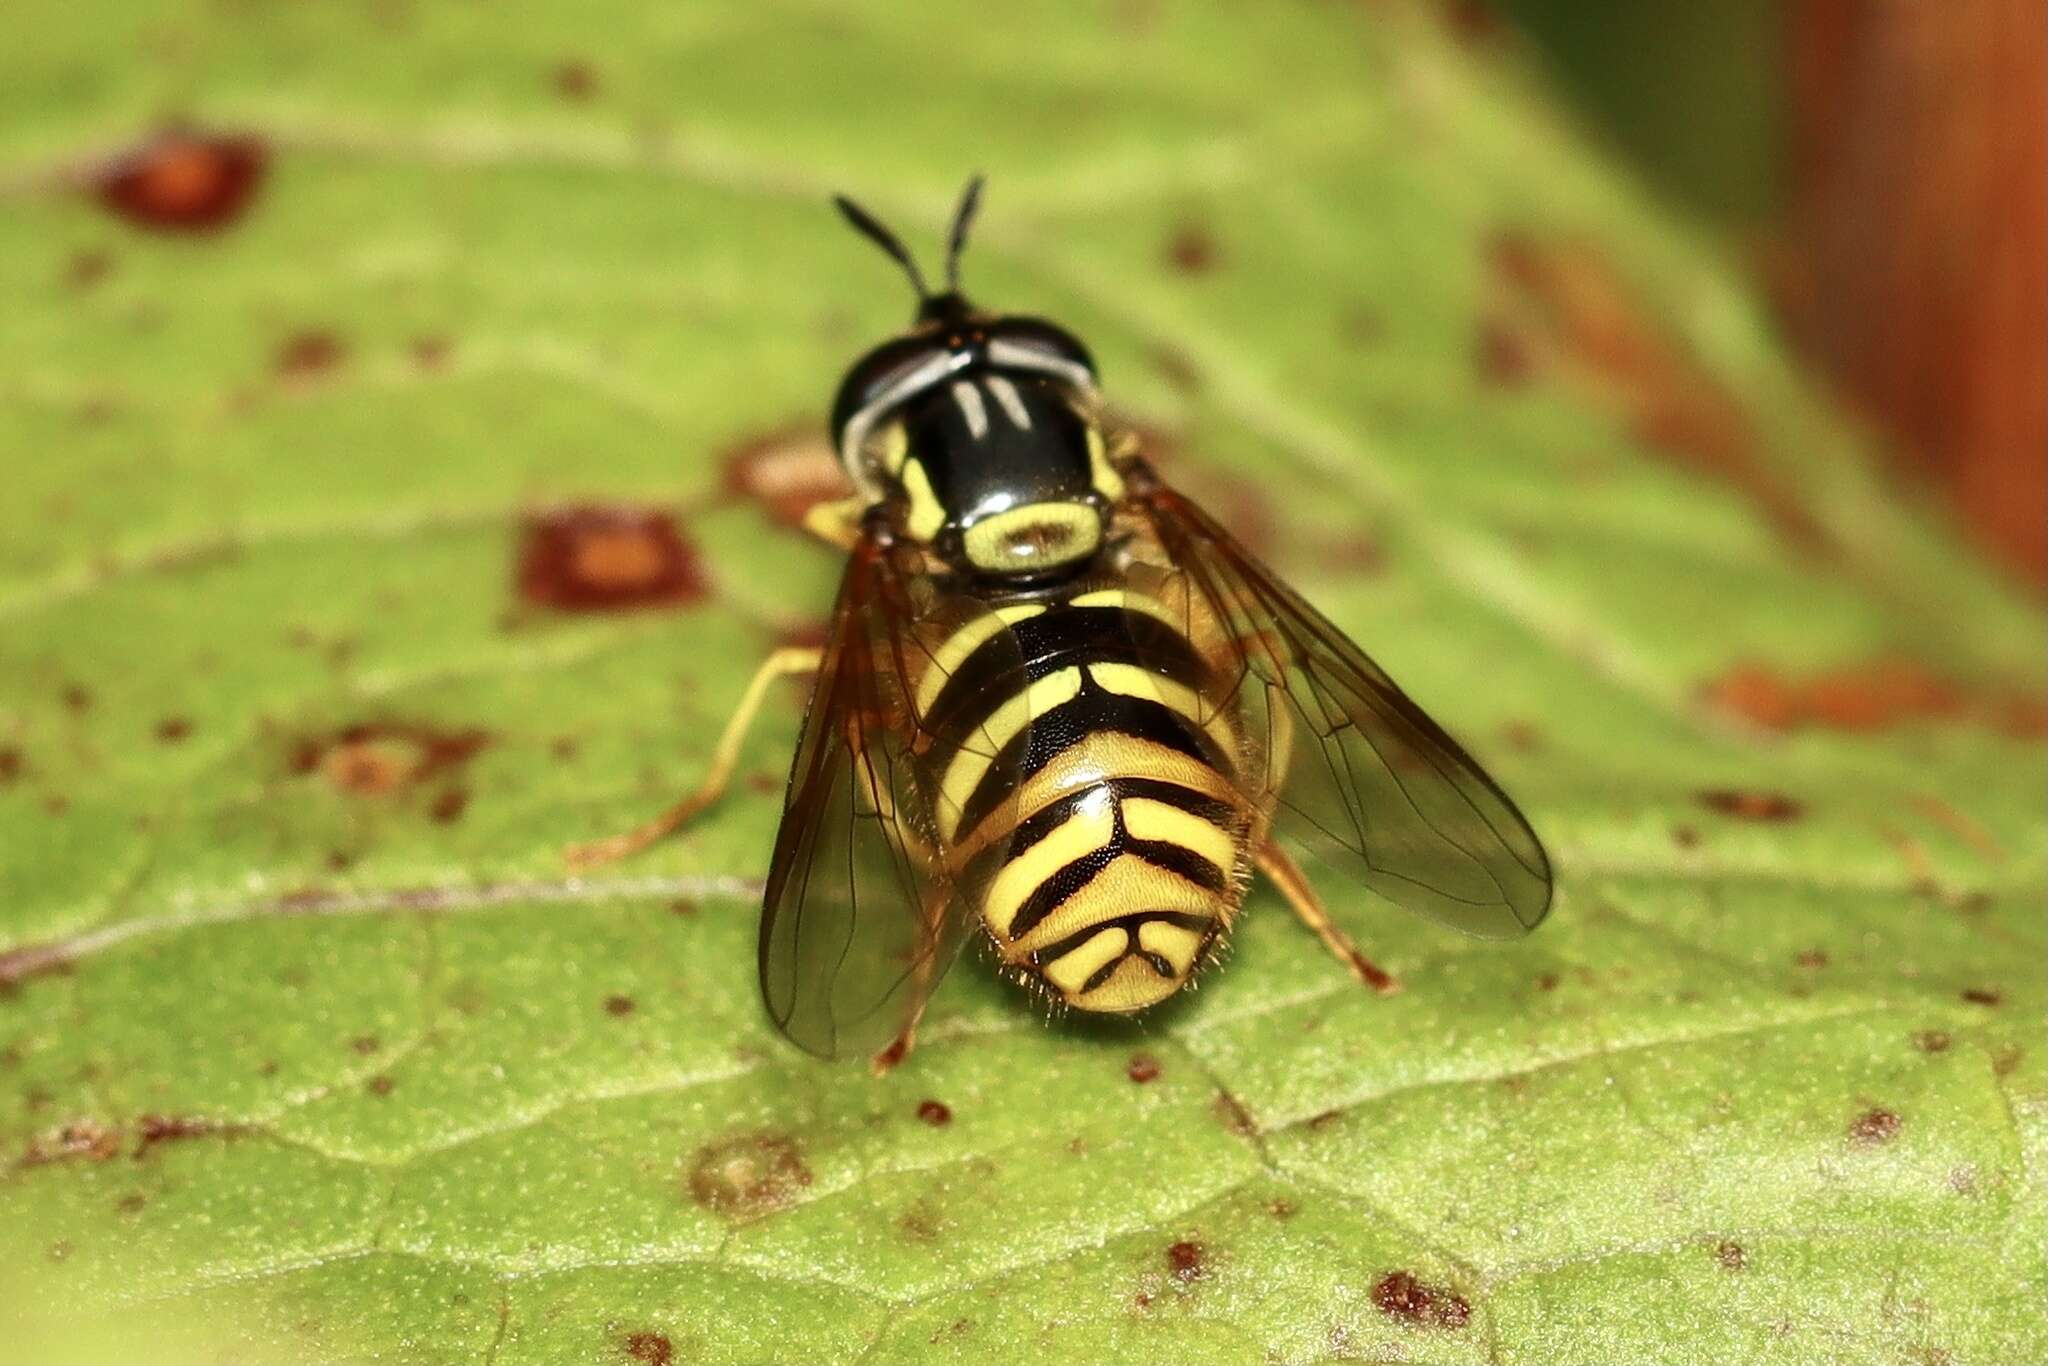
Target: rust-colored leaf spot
<point>448,805</point>
<point>87,268</point>
<point>380,1085</point>
<point>1933,1040</point>
<point>1581,316</point>
<point>749,1175</point>
<point>184,182</point>
<point>363,1045</point>
<point>575,80</point>
<point>1812,958</point>
<point>1983,996</point>
<point>1502,355</point>
<point>1872,695</point>
<point>1142,1068</point>
<point>76,697</point>
<point>1281,1209</point>
<point>131,1203</point>
<point>650,1349</point>
<point>936,1113</point>
<point>1187,1262</point>
<point>787,471</point>
<point>432,352</point>
<point>308,355</point>
<point>376,758</point>
<point>608,559</point>
<point>1874,1126</point>
<point>1400,1295</point>
<point>11,764</point>
<point>619,1005</point>
<point>173,729</point>
<point>152,1131</point>
<point>1685,836</point>
<point>1730,1255</point>
<point>1769,807</point>
<point>1191,250</point>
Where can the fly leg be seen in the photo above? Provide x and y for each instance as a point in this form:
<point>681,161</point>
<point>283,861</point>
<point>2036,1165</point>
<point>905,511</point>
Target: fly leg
<point>1287,876</point>
<point>920,991</point>
<point>782,663</point>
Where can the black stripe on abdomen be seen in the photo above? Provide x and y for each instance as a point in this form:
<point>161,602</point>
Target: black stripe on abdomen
<point>1055,639</point>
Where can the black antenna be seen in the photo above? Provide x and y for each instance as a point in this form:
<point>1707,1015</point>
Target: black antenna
<point>963,218</point>
<point>867,225</point>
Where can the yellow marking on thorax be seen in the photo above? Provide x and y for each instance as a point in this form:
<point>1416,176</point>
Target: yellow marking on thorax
<point>890,446</point>
<point>1128,884</point>
<point>964,774</point>
<point>1101,473</point>
<point>955,649</point>
<point>927,515</point>
<point>1091,826</point>
<point>1151,820</point>
<point>1071,969</point>
<point>1132,681</point>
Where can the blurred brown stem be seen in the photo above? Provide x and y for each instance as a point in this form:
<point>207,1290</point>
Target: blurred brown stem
<point>1919,169</point>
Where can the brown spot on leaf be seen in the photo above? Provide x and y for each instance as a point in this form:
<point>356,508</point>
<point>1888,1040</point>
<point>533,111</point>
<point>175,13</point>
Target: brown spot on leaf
<point>1770,807</point>
<point>1400,1295</point>
<point>1581,317</point>
<point>76,698</point>
<point>608,559</point>
<point>920,1223</point>
<point>431,352</point>
<point>1177,368</point>
<point>307,355</point>
<point>1874,1126</point>
<point>377,758</point>
<point>1872,695</point>
<point>173,729</point>
<point>11,764</point>
<point>1142,1068</point>
<point>575,80</point>
<point>2006,1060</point>
<point>448,805</point>
<point>1730,1255</point>
<point>749,1175</point>
<point>1933,1040</point>
<point>365,1044</point>
<point>1502,355</point>
<point>184,182</point>
<point>787,471</point>
<point>619,1005</point>
<point>935,1113</point>
<point>131,1203</point>
<point>1187,1262</point>
<point>1191,250</point>
<point>82,1138</point>
<point>1685,836</point>
<point>154,1130</point>
<point>1983,996</point>
<point>650,1349</point>
<point>87,268</point>
<point>1281,1209</point>
<point>380,1085</point>
<point>1812,958</point>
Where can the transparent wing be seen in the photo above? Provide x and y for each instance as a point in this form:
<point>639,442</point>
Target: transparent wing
<point>1351,771</point>
<point>862,917</point>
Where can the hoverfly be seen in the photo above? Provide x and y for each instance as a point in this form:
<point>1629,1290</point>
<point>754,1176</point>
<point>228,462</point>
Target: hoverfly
<point>1063,710</point>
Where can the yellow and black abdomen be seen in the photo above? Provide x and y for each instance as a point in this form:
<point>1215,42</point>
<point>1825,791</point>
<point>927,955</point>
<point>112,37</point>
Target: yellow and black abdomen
<point>1088,791</point>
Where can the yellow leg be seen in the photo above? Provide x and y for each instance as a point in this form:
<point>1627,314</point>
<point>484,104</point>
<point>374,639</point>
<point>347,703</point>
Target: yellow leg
<point>782,663</point>
<point>837,522</point>
<point>1275,864</point>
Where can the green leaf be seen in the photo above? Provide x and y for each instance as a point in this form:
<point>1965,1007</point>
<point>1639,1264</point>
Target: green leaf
<point>309,1047</point>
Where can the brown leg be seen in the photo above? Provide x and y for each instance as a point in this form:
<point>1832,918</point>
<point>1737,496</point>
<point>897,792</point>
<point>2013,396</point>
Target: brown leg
<point>781,664</point>
<point>1275,864</point>
<point>920,994</point>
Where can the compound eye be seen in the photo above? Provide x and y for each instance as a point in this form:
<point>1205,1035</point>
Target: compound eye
<point>1034,343</point>
<point>875,374</point>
